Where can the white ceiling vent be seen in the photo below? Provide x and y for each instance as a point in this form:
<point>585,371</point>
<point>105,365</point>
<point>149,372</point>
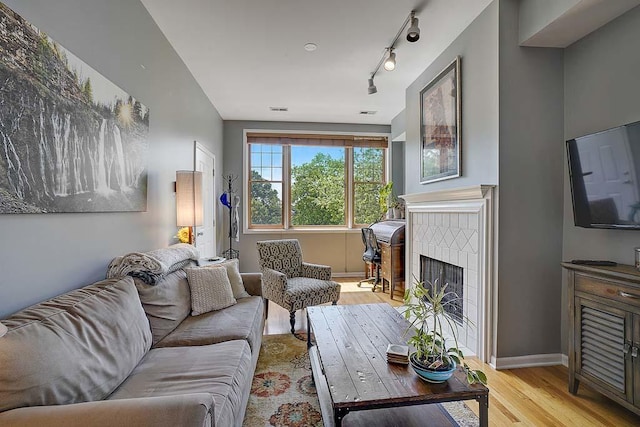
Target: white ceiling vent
<point>279,108</point>
<point>367,112</point>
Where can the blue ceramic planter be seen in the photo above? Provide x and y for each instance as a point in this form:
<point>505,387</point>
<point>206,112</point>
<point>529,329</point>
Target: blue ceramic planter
<point>431,375</point>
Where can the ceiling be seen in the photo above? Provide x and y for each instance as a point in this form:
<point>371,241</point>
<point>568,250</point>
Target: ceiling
<point>249,55</point>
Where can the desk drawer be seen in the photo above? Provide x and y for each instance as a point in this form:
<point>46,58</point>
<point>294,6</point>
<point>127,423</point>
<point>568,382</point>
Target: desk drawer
<point>385,273</point>
<point>385,252</point>
<point>607,289</point>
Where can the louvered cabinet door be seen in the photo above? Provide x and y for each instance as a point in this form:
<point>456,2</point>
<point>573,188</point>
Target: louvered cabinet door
<point>635,359</point>
<point>603,342</point>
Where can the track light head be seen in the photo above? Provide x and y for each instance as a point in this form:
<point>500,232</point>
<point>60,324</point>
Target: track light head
<point>390,62</point>
<point>372,88</point>
<point>413,33</point>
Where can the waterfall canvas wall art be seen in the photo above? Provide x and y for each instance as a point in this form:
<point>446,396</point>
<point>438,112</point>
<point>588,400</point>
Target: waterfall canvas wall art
<point>70,140</point>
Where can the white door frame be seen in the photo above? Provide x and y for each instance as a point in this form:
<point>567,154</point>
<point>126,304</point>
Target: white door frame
<point>209,201</point>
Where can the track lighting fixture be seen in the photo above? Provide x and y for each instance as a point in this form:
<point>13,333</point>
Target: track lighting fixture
<point>372,88</point>
<point>390,62</point>
<point>389,56</point>
<point>413,33</point>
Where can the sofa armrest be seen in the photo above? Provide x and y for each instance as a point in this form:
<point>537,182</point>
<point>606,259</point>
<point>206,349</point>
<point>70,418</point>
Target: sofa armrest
<point>191,410</point>
<point>316,271</point>
<point>252,283</point>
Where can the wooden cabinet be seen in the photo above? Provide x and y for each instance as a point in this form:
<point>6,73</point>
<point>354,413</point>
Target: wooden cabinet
<point>604,319</point>
<point>392,267</point>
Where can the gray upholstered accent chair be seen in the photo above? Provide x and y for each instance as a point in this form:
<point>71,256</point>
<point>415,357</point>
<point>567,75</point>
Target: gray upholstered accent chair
<point>292,283</point>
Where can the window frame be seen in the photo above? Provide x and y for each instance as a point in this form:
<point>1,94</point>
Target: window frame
<point>352,183</point>
<point>286,226</point>
<point>283,214</point>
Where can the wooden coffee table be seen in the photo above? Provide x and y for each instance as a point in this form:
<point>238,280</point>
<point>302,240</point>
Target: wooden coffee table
<point>353,377</point>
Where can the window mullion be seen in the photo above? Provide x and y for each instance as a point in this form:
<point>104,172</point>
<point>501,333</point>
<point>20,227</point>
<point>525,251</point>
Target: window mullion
<point>286,186</point>
<point>349,187</point>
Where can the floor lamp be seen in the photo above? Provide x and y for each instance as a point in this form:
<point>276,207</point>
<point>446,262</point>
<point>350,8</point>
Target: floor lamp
<point>189,211</point>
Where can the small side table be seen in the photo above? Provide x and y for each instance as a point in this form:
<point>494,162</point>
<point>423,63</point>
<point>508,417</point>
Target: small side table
<point>202,262</point>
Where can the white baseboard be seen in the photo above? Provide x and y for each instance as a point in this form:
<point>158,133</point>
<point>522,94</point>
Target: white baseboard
<point>565,360</point>
<point>528,361</point>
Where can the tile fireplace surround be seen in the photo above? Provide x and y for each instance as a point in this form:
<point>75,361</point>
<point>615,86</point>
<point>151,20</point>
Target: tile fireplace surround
<point>456,226</point>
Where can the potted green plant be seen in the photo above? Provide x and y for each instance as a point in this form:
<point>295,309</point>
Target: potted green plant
<point>433,360</point>
<point>398,208</point>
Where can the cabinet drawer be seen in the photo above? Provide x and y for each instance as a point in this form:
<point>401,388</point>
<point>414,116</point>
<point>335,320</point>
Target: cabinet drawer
<point>385,250</point>
<point>606,289</point>
<point>385,253</point>
<point>385,272</point>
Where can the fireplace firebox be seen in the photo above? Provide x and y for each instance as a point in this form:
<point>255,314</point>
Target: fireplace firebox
<point>435,273</point>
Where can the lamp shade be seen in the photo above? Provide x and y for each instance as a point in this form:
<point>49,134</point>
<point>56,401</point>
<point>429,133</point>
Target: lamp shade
<point>189,210</point>
<point>3,330</point>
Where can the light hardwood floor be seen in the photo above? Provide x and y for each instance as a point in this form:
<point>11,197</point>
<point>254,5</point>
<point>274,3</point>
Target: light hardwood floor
<point>524,397</point>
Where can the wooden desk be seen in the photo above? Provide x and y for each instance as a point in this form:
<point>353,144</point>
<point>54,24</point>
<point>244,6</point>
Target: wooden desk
<point>392,267</point>
<point>355,382</point>
<point>390,237</point>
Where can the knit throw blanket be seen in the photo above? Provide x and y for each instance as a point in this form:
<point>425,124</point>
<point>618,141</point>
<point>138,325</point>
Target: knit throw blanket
<point>153,266</point>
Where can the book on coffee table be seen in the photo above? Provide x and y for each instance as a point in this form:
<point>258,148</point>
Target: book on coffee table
<point>397,353</point>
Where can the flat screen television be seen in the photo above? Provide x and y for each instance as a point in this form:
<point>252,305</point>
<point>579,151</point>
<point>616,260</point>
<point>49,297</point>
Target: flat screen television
<point>604,169</point>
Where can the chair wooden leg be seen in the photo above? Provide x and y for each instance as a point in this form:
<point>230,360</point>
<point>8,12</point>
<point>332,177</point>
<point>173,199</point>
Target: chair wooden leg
<point>334,303</point>
<point>266,308</point>
<point>292,320</point>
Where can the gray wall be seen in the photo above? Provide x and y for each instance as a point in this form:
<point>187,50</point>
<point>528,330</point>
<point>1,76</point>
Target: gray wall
<point>398,124</point>
<point>478,47</point>
<point>512,133</point>
<point>44,255</point>
<point>398,127</point>
<point>397,167</point>
<point>335,249</point>
<point>601,91</point>
<point>530,193</point>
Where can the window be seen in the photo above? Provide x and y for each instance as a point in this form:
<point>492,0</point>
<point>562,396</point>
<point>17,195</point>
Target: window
<point>265,183</point>
<point>318,189</point>
<point>306,181</point>
<point>368,178</point>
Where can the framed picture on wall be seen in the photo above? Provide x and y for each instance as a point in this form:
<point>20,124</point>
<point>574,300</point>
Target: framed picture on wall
<point>440,126</point>
<point>71,140</point>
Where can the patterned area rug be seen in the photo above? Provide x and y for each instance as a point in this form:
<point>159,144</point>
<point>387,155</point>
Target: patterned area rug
<point>283,393</point>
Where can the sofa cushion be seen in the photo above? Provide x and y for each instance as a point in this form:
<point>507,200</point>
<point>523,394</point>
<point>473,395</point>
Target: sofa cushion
<point>243,321</point>
<point>76,347</point>
<point>225,370</point>
<point>210,289</point>
<point>166,304</point>
<point>303,292</point>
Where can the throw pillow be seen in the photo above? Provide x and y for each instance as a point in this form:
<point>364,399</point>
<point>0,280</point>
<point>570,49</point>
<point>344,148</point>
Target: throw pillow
<point>233,272</point>
<point>237,285</point>
<point>210,289</point>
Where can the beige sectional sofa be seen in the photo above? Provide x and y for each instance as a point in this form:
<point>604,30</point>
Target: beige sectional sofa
<point>123,353</point>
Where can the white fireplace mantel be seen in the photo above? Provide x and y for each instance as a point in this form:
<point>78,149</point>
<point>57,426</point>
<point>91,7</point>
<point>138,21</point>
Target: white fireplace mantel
<point>461,193</point>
